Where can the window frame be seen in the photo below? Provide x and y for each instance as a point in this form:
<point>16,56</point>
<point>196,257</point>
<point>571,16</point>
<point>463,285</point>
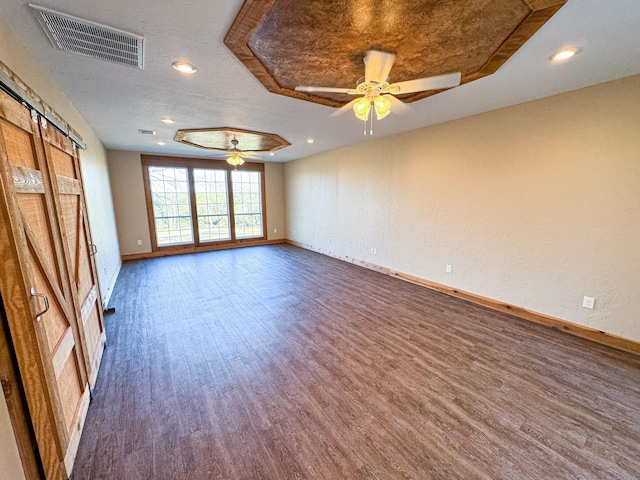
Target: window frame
<point>201,163</point>
<point>235,219</point>
<point>187,214</point>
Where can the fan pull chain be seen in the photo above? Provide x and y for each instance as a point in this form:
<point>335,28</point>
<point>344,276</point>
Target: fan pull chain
<point>371,116</point>
<point>364,131</point>
<point>368,119</point>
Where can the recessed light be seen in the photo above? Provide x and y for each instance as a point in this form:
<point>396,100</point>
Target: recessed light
<point>161,143</point>
<point>310,140</point>
<point>564,54</point>
<point>167,120</point>
<point>184,67</point>
<point>272,154</point>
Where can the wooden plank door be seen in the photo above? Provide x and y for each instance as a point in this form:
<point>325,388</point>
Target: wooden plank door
<point>66,181</point>
<point>36,290</point>
<point>13,395</point>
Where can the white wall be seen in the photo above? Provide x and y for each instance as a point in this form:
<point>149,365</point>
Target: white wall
<point>535,205</point>
<point>10,464</point>
<point>130,203</point>
<point>93,159</point>
<point>274,186</point>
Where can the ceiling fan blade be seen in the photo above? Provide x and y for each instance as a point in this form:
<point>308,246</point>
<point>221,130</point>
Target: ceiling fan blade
<point>311,89</point>
<point>344,108</point>
<point>421,84</point>
<point>398,106</point>
<point>377,66</point>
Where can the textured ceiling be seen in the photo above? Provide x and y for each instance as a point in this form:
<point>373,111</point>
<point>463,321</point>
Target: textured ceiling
<point>286,43</point>
<point>117,100</point>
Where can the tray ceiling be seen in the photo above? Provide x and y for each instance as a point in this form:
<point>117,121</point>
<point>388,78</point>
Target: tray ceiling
<point>220,139</point>
<point>286,43</point>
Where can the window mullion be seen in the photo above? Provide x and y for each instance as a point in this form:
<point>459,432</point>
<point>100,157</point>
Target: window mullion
<point>194,207</point>
<point>232,214</point>
<point>263,207</point>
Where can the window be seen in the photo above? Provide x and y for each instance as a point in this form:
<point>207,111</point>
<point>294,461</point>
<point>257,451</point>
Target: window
<point>247,204</point>
<point>196,203</point>
<point>171,209</point>
<point>212,204</point>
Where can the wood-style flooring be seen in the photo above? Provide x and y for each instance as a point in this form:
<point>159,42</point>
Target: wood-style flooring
<point>275,362</point>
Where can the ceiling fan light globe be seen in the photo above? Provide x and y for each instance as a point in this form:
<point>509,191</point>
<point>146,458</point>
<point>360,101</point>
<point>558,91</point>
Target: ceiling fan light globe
<point>361,108</point>
<point>235,160</point>
<point>382,106</point>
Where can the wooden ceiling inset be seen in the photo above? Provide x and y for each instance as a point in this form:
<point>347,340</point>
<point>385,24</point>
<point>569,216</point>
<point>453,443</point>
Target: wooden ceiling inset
<point>220,139</point>
<point>286,43</point>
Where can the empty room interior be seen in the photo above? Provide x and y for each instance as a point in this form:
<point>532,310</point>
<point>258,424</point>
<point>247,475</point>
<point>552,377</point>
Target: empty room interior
<point>324,240</point>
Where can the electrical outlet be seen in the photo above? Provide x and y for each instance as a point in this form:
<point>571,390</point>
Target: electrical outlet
<point>275,230</point>
<point>449,268</point>
<point>139,242</point>
<point>294,232</point>
<point>328,239</point>
<point>589,302</point>
<point>374,251</point>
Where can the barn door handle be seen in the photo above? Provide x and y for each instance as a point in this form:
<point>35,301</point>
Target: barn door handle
<point>94,248</point>
<point>34,293</point>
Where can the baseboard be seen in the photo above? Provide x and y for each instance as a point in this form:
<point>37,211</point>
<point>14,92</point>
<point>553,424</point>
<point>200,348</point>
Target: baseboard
<point>208,248</point>
<point>106,296</point>
<point>598,336</point>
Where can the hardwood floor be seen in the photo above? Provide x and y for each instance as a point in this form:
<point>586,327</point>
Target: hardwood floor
<point>275,362</point>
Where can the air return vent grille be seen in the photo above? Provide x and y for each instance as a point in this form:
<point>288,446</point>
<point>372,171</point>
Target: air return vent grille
<point>91,39</point>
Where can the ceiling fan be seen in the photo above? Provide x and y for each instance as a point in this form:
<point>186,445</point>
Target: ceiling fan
<point>376,90</point>
<point>235,156</point>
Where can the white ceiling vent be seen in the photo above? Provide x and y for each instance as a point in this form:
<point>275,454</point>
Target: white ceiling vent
<point>91,39</point>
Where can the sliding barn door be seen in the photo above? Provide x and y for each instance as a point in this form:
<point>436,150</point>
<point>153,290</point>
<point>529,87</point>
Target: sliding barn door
<point>64,169</point>
<point>47,281</point>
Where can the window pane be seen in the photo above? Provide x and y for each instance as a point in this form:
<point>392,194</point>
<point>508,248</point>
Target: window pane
<point>212,204</point>
<point>171,206</point>
<point>247,204</point>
